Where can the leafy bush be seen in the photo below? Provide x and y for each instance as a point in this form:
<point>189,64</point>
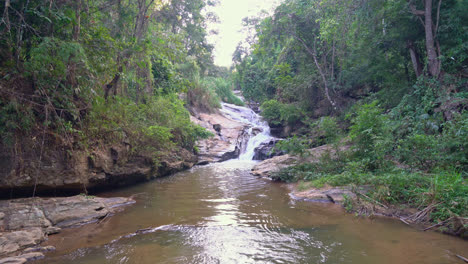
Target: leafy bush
<point>277,113</point>
<point>419,151</point>
<point>455,143</point>
<point>294,145</point>
<point>14,119</point>
<point>50,66</point>
<point>160,124</point>
<point>370,135</point>
<point>201,97</point>
<point>223,89</point>
<point>325,130</point>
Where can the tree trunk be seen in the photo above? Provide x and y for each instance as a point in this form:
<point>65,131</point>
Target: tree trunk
<point>432,58</point>
<point>417,67</point>
<point>77,25</point>
<point>313,53</point>
<point>6,17</point>
<point>112,86</point>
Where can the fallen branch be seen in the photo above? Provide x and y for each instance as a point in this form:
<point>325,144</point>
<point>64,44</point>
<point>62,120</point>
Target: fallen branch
<point>438,224</point>
<point>404,221</point>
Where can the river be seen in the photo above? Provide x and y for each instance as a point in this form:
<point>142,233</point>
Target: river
<point>220,213</point>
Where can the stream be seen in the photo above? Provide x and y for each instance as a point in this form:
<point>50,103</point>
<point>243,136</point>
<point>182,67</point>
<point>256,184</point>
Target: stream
<point>220,213</point>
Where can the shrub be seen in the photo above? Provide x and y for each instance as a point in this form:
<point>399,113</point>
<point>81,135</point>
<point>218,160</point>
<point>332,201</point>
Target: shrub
<point>294,145</point>
<point>201,97</point>
<point>325,130</point>
<point>277,113</point>
<point>370,135</point>
<point>160,124</point>
<point>223,89</point>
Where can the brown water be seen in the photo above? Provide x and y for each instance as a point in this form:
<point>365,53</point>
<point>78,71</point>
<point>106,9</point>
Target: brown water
<point>221,214</point>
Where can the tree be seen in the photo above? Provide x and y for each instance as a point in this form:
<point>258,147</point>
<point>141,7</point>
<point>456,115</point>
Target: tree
<point>430,29</point>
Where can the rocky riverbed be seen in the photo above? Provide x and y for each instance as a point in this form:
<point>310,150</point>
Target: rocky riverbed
<point>26,222</point>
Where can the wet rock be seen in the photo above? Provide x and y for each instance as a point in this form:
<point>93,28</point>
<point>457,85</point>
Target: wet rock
<point>229,137</point>
<point>31,256</point>
<point>13,260</point>
<point>217,127</point>
<point>329,194</point>
<point>267,167</point>
<point>39,249</point>
<point>52,230</point>
<point>256,131</point>
<point>264,151</point>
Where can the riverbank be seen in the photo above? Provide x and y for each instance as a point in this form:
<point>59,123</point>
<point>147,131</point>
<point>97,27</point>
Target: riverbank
<point>368,195</point>
<point>27,222</point>
<point>219,213</point>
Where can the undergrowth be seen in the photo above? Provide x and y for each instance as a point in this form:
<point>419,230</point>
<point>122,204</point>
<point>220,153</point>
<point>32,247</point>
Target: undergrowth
<point>415,154</point>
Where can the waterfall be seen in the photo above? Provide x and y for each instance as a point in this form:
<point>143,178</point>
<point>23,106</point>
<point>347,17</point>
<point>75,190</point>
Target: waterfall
<point>259,131</point>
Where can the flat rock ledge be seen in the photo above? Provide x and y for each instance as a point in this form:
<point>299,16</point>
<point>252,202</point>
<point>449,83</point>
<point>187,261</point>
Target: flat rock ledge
<point>26,222</point>
<point>327,194</point>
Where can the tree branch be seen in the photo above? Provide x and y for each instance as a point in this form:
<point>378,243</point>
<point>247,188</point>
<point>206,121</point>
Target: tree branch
<point>313,53</point>
<point>437,21</point>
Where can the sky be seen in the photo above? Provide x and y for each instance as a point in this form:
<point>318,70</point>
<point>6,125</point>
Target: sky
<point>231,13</point>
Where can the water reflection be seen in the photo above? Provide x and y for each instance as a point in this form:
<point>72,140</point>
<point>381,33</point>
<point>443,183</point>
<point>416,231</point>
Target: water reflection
<point>221,214</point>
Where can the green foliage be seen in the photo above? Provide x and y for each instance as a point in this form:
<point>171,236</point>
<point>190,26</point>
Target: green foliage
<point>201,97</point>
<point>158,125</point>
<point>277,113</point>
<point>294,145</point>
<point>370,135</point>
<point>223,89</point>
<point>325,130</point>
<point>14,118</point>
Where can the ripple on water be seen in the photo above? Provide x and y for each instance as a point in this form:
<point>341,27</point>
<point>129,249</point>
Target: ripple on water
<point>221,214</point>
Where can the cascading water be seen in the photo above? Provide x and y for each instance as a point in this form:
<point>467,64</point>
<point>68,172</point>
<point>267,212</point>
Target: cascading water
<point>259,131</point>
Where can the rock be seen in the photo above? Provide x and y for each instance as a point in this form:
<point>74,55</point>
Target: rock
<point>31,256</point>
<point>217,127</point>
<point>16,240</point>
<point>334,195</point>
<point>13,260</point>
<point>52,230</point>
<point>79,210</point>
<point>22,213</point>
<point>264,150</point>
<point>256,131</point>
<point>328,193</point>
<point>229,137</point>
<point>36,217</point>
<point>71,171</point>
<point>269,166</point>
<point>39,249</point>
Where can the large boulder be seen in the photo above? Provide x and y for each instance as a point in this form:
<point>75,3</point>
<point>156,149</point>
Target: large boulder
<point>269,166</point>
<point>265,150</point>
<point>229,138</point>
